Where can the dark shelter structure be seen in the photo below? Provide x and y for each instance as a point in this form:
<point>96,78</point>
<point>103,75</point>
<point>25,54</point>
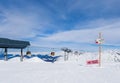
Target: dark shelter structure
<point>15,44</point>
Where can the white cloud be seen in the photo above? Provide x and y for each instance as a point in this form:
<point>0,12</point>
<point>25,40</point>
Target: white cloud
<point>18,24</point>
<point>110,34</point>
<point>16,27</point>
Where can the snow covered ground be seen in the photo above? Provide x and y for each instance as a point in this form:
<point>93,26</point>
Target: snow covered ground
<point>75,70</point>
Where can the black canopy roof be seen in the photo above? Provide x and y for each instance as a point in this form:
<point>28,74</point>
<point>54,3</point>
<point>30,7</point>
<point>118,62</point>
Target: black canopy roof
<point>8,43</point>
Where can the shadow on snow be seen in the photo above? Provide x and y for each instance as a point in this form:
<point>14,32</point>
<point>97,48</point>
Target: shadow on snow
<point>46,58</point>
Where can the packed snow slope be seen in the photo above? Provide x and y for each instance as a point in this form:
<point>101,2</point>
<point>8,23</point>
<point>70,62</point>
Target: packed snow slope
<point>39,69</point>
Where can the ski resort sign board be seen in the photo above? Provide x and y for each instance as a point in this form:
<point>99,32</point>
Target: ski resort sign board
<point>92,62</point>
<point>99,41</point>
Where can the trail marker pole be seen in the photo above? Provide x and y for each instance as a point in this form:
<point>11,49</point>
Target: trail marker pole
<point>99,41</point>
<point>100,50</point>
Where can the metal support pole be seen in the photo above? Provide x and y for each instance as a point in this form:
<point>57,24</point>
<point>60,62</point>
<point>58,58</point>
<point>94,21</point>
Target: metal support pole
<point>64,56</point>
<point>5,54</point>
<point>67,56</point>
<point>21,58</point>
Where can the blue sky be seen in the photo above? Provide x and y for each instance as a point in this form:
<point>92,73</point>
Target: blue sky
<point>61,23</point>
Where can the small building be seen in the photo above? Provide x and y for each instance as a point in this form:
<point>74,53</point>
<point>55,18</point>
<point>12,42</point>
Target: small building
<point>14,44</point>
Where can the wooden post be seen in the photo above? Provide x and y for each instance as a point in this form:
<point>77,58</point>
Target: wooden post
<point>5,54</point>
<point>100,49</point>
<point>21,58</point>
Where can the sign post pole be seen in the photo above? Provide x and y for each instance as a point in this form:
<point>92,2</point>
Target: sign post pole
<point>100,50</point>
<point>99,41</point>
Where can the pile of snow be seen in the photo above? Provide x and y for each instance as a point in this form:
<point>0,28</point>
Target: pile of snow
<point>108,56</point>
<point>34,59</point>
